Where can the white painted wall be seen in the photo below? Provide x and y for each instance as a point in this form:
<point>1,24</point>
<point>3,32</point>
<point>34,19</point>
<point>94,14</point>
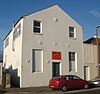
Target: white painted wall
<point>13,58</point>
<point>53,32</point>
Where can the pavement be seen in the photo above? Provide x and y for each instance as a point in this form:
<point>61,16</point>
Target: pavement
<point>47,90</point>
<point>29,90</point>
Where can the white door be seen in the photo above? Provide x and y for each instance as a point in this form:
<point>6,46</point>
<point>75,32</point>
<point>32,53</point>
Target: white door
<point>86,72</point>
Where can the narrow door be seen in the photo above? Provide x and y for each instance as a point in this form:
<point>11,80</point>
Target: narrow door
<point>86,73</point>
<point>55,69</point>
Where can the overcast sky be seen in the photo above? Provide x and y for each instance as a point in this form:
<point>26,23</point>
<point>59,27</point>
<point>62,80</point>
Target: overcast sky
<point>85,12</point>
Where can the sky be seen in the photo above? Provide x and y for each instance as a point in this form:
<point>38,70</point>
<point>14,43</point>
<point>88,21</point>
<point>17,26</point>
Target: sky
<point>84,12</point>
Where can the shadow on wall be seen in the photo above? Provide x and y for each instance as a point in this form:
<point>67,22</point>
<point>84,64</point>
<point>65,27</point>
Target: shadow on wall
<point>15,79</point>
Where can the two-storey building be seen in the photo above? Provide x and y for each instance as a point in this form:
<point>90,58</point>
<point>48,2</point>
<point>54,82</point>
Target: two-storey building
<point>42,45</point>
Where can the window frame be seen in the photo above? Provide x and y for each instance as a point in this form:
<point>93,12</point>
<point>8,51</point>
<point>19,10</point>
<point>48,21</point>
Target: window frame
<point>72,33</point>
<point>6,43</point>
<point>72,61</point>
<point>34,69</point>
<point>37,27</point>
<point>72,56</point>
<point>17,31</point>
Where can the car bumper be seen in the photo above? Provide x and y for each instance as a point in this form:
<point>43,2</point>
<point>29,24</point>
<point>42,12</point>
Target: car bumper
<point>54,86</point>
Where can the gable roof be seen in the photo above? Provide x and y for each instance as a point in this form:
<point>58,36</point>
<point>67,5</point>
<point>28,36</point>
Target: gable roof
<point>25,16</point>
<point>36,12</point>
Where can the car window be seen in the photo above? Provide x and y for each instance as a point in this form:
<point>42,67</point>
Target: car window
<point>76,78</point>
<point>67,78</point>
<point>71,78</point>
<point>56,78</point>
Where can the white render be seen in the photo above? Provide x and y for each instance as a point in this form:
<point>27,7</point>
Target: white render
<point>90,60</point>
<point>54,37</point>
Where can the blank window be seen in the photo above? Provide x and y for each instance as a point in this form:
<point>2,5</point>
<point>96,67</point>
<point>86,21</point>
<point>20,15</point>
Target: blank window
<point>37,60</point>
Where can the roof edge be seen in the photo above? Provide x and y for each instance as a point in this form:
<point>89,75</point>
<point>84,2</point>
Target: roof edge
<point>41,9</point>
<point>28,15</point>
<point>14,26</point>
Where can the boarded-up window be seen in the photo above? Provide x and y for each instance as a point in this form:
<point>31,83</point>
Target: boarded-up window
<point>37,60</point>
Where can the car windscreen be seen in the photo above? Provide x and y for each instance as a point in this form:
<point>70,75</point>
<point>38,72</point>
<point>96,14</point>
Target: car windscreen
<point>56,78</point>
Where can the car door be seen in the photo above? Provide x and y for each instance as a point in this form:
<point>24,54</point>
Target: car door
<point>77,82</point>
<point>72,83</point>
<point>69,82</point>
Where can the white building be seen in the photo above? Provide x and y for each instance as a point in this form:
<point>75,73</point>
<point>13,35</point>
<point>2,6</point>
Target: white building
<point>44,44</point>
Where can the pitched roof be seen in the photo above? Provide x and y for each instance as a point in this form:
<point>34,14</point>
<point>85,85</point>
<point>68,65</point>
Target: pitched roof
<point>35,12</point>
<point>27,15</point>
<point>92,40</point>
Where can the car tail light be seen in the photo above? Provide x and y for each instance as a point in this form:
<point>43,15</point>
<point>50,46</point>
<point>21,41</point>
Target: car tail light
<point>57,83</point>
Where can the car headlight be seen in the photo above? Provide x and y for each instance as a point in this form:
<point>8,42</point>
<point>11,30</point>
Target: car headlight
<point>96,82</point>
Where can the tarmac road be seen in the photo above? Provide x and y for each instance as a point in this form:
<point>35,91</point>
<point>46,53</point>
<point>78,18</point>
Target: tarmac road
<point>46,90</point>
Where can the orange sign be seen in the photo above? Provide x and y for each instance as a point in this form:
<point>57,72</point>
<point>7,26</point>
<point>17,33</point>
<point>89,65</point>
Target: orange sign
<point>56,55</point>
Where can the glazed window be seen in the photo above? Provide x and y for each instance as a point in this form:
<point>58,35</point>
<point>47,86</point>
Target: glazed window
<point>72,61</point>
<point>6,42</point>
<point>37,27</point>
<point>72,32</point>
<point>17,32</point>
<point>71,56</point>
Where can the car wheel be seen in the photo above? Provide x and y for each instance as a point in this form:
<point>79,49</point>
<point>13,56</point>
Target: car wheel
<point>64,88</point>
<point>86,86</point>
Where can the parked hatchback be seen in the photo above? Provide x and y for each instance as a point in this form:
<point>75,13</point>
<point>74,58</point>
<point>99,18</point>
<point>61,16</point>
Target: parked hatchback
<point>65,82</point>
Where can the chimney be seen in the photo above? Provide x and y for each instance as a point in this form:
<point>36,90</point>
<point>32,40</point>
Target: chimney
<point>13,24</point>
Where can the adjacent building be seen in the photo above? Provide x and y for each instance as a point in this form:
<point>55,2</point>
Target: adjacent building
<point>42,45</point>
<point>91,58</point>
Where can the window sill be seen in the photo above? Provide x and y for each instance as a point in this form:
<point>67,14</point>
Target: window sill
<point>37,72</point>
<point>72,38</point>
<point>38,33</point>
<point>72,71</point>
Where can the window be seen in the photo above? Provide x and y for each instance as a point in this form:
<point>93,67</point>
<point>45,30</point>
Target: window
<point>67,78</point>
<point>72,61</point>
<point>17,32</point>
<point>76,78</point>
<point>72,32</point>
<point>71,56</point>
<point>37,26</point>
<point>6,42</point>
<point>37,60</point>
<point>19,28</point>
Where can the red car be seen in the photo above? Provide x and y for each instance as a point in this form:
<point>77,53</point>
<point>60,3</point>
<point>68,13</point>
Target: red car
<point>65,82</point>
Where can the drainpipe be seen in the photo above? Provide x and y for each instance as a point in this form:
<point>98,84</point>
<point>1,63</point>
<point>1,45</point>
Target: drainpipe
<point>97,43</point>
